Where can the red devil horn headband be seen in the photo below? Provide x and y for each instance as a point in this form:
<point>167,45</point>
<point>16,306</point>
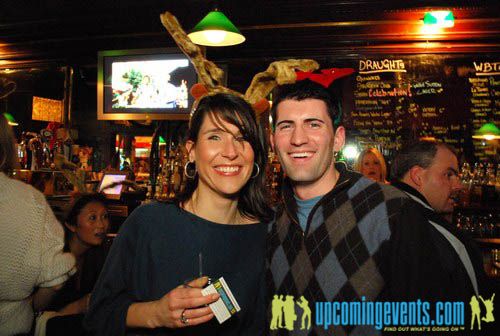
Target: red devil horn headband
<point>325,77</point>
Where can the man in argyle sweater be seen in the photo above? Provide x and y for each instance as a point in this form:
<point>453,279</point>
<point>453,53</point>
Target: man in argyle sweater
<point>336,236</point>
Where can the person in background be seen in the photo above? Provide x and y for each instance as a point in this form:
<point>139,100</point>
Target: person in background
<point>128,169</point>
<point>85,228</point>
<point>33,263</point>
<point>146,93</point>
<point>215,228</point>
<point>371,164</point>
<point>428,173</point>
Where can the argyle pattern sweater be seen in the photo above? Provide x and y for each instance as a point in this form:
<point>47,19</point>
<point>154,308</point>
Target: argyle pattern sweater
<point>344,253</point>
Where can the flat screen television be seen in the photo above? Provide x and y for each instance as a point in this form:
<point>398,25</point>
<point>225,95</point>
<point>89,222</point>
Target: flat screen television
<point>144,84</point>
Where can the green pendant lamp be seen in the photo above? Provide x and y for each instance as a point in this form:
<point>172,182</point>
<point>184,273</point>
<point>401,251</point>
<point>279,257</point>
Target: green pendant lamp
<point>10,119</point>
<point>216,30</point>
<point>488,131</point>
<point>441,19</point>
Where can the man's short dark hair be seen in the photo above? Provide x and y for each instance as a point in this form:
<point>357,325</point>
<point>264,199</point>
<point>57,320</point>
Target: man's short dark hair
<point>420,153</point>
<point>306,89</point>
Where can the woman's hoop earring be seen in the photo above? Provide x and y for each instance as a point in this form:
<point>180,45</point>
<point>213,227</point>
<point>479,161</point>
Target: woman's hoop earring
<point>258,170</point>
<point>186,168</point>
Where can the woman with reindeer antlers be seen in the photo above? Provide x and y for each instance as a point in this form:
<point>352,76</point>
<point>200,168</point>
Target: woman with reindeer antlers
<point>214,228</point>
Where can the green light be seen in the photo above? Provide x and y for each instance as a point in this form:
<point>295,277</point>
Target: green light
<point>488,131</point>
<point>161,140</point>
<point>442,19</point>
<point>10,119</point>
<point>216,30</point>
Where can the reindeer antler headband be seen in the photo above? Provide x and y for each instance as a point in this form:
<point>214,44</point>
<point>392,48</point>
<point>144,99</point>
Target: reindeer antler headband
<point>210,76</point>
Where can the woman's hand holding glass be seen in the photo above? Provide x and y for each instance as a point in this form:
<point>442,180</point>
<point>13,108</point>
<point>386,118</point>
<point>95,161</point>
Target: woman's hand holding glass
<point>185,305</point>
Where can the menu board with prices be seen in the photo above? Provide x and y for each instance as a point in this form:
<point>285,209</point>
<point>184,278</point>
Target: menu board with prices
<point>390,100</point>
<point>484,84</point>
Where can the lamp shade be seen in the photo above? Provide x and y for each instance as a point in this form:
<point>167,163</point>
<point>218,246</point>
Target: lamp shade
<point>442,19</point>
<point>488,131</point>
<point>10,119</point>
<point>216,30</point>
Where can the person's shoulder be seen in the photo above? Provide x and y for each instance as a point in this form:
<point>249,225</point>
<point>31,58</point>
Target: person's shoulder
<point>392,192</point>
<point>369,188</point>
<point>404,210</point>
<point>16,190</point>
<point>376,195</point>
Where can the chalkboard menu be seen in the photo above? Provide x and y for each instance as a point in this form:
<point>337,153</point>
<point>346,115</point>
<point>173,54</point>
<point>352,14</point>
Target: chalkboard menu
<point>390,100</point>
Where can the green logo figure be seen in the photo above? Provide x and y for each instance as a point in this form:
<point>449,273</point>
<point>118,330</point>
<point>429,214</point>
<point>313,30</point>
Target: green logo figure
<point>306,313</point>
<point>283,313</point>
<point>489,309</point>
<point>476,310</point>
<point>289,310</point>
<point>277,311</point>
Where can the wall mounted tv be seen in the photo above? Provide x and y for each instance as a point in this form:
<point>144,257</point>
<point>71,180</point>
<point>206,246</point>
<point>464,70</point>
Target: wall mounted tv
<point>144,84</point>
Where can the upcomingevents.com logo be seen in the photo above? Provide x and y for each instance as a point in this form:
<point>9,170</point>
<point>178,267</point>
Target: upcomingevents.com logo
<point>387,316</point>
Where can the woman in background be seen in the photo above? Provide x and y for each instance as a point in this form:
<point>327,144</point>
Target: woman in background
<point>85,228</point>
<point>33,263</point>
<point>214,228</point>
<point>371,164</point>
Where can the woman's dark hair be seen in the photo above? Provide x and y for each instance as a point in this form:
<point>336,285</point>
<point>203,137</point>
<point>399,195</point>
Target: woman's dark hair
<point>8,153</point>
<point>75,209</point>
<point>253,200</point>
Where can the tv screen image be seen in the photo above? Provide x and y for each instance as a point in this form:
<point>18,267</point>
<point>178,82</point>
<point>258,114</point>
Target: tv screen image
<point>110,184</point>
<point>144,84</point>
<point>147,84</point>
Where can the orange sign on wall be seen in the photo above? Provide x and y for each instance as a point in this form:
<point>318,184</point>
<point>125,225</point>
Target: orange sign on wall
<point>45,109</point>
